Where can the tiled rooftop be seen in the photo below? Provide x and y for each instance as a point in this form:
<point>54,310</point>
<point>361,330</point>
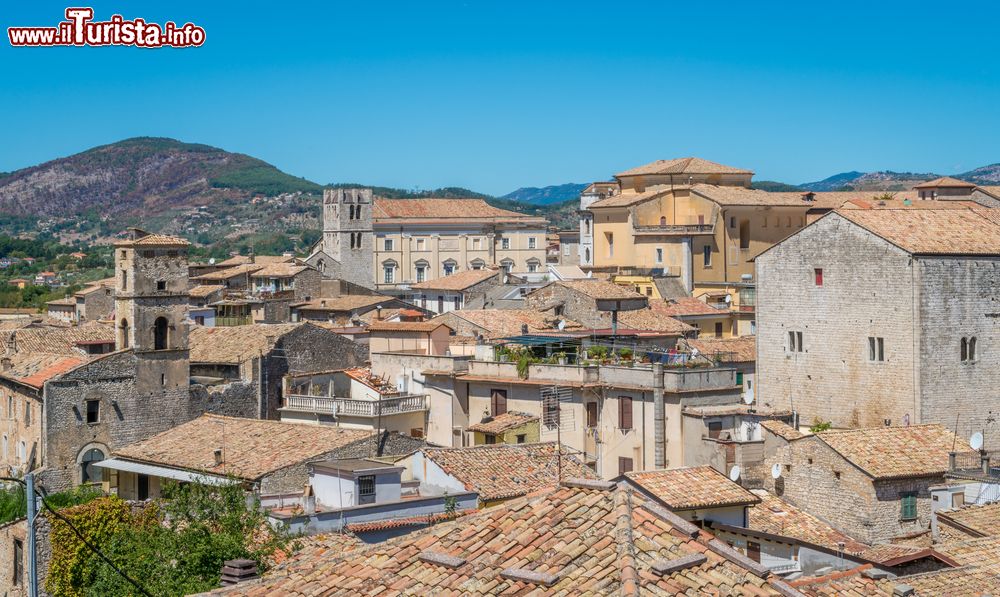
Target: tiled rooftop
<point>229,272</point>
<point>405,326</point>
<point>686,305</point>
<point>944,181</point>
<point>693,487</point>
<point>501,423</point>
<point>438,209</point>
<point>978,520</point>
<point>651,319</point>
<point>782,429</point>
<point>204,290</point>
<point>732,350</point>
<point>504,471</point>
<point>628,199</point>
<point>346,303</point>
<point>54,339</point>
<point>35,368</point>
<point>280,270</point>
<point>683,166</point>
<point>235,344</point>
<point>776,516</point>
<point>258,259</point>
<point>252,448</point>
<point>600,289</point>
<point>564,541</point>
<point>932,231</point>
<point>895,452</point>
<point>499,323</point>
<point>154,240</point>
<point>739,196</point>
<point>458,281</point>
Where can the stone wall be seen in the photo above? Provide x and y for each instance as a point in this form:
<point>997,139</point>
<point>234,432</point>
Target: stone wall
<point>867,291</point>
<point>10,532</point>
<point>576,306</point>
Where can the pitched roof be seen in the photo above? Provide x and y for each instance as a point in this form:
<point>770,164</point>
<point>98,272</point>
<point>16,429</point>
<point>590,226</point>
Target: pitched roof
<point>895,452</point>
<point>405,326</point>
<point>229,272</point>
<point>775,516</point>
<point>628,198</point>
<point>34,369</point>
<point>53,339</point>
<point>742,349</point>
<point>458,281</point>
<point>944,181</point>
<point>567,541</point>
<point>984,551</point>
<point>978,520</point>
<point>781,429</point>
<point>966,580</point>
<point>692,487</point>
<point>235,344</point>
<point>932,231</point>
<point>252,448</point>
<point>441,209</point>
<point>506,470</point>
<point>154,240</point>
<point>256,259</point>
<point>280,270</point>
<point>599,289</point>
<point>686,306</point>
<point>501,423</point>
<point>498,323</point>
<point>993,191</point>
<point>346,303</point>
<point>683,166</point>
<point>204,290</point>
<point>651,319</point>
<point>741,196</point>
<point>62,302</point>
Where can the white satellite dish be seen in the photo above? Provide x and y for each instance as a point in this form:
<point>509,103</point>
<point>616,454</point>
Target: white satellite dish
<point>734,473</point>
<point>729,299</point>
<point>775,471</point>
<point>748,397</point>
<point>976,441</point>
<point>562,325</point>
<point>211,261</point>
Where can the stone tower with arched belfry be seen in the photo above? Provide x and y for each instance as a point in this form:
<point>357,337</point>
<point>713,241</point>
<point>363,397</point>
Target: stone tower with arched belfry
<point>348,233</point>
<point>151,308</point>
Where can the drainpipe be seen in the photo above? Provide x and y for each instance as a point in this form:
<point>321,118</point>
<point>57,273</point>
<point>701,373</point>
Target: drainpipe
<point>659,417</point>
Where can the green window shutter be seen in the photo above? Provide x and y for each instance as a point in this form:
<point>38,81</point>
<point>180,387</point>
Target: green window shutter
<point>739,378</point>
<point>908,506</point>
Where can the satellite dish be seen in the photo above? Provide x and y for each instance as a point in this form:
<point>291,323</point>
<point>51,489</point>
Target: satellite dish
<point>729,299</point>
<point>734,473</point>
<point>775,471</point>
<point>976,441</point>
<point>562,325</point>
<point>211,261</point>
<point>748,397</point>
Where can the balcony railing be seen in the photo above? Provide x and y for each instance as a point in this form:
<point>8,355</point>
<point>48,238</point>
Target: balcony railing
<point>229,320</point>
<point>682,229</point>
<point>349,407</point>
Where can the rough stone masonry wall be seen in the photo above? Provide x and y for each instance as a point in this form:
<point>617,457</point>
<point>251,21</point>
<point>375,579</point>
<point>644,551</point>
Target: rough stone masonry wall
<point>576,306</point>
<point>866,291</point>
<point>854,503</point>
<point>958,298</point>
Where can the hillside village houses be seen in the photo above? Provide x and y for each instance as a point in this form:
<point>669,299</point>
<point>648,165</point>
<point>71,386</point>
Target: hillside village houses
<point>427,351</point>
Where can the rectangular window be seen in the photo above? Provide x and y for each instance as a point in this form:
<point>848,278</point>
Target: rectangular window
<point>440,305</point>
<point>366,489</point>
<point>624,465</point>
<point>739,378</point>
<point>610,237</point>
<point>199,319</point>
<point>908,505</point>
<point>522,438</point>
<point>161,284</point>
<point>18,579</point>
<point>876,349</point>
<point>591,414</point>
<point>498,402</point>
<point>818,275</point>
<point>659,254</point>
<point>388,244</point>
<point>714,429</point>
<point>718,329</point>
<point>149,254</point>
<point>504,243</point>
<point>458,302</point>
<point>389,274</point>
<point>531,242</point>
<point>477,244</point>
<point>532,267</point>
<point>490,439</point>
<point>27,413</point>
<point>706,256</point>
<point>625,412</point>
<point>795,341</point>
<point>744,234</point>
<point>449,269</point>
<point>421,244</point>
<point>421,274</point>
<point>93,411</point>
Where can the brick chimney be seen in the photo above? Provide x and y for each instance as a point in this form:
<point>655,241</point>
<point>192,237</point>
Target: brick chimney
<point>237,571</point>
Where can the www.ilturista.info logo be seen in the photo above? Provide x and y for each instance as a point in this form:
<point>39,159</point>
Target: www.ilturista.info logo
<point>79,29</point>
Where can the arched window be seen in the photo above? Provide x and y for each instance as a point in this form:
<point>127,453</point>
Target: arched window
<point>449,266</point>
<point>586,255</point>
<point>972,348</point>
<point>124,332</point>
<point>663,220</point>
<point>321,265</point>
<point>88,472</point>
<point>965,349</point>
<point>968,349</point>
<point>160,333</point>
<point>351,217</point>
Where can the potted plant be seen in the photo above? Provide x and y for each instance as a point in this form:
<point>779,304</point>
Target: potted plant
<point>561,358</point>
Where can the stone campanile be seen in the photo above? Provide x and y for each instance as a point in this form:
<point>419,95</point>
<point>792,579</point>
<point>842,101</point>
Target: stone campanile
<point>151,308</point>
<point>348,232</point>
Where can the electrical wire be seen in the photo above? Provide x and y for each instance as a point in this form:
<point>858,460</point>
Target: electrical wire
<point>42,494</point>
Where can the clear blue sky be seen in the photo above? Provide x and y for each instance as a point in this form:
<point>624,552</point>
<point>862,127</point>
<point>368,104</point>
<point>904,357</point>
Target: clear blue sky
<point>494,97</point>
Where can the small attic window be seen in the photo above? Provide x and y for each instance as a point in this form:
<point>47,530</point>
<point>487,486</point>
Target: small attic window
<point>161,284</point>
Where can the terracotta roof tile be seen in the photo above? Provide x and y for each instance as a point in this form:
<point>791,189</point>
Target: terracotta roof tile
<point>628,199</point>
<point>978,520</point>
<point>506,470</point>
<point>692,487</point>
<point>564,541</point>
<point>154,240</point>
<point>944,181</point>
<point>499,323</point>
<point>736,196</point>
<point>395,209</point>
<point>730,350</point>
<point>782,429</point>
<point>235,344</point>
<point>984,551</point>
<point>458,281</point>
<point>346,303</point>
<point>687,305</point>
<point>405,326</point>
<point>34,369</point>
<point>501,423</point>
<point>229,272</point>
<point>895,452</point>
<point>53,339</point>
<point>683,166</point>
<point>651,319</point>
<point>252,448</point>
<point>204,290</point>
<point>776,516</point>
<point>600,289</point>
<point>257,259</point>
<point>932,231</point>
<point>280,270</point>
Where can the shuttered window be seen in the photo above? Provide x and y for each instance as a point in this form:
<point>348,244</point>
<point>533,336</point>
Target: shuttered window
<point>591,414</point>
<point>624,465</point>
<point>624,412</point>
<point>908,506</point>
<point>498,402</point>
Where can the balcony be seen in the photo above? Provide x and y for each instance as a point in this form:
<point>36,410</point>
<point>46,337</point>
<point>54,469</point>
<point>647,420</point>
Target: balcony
<point>348,407</point>
<point>675,229</point>
<point>230,320</point>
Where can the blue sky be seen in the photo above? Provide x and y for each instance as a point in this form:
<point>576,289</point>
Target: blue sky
<point>494,96</point>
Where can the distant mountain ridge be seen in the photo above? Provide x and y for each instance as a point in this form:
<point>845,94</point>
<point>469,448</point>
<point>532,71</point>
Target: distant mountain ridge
<point>887,180</point>
<point>547,195</point>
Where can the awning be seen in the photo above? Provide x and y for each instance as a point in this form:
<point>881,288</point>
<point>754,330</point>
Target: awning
<point>130,466</point>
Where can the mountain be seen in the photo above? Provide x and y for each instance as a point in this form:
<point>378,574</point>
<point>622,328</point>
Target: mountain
<point>547,195</point>
<point>984,175</point>
<point>772,186</point>
<point>833,183</point>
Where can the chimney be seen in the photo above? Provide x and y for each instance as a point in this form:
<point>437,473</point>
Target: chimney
<point>237,571</point>
<point>218,456</point>
<point>6,364</point>
<point>984,458</point>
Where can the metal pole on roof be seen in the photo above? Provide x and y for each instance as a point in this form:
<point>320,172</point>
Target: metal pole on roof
<point>29,495</point>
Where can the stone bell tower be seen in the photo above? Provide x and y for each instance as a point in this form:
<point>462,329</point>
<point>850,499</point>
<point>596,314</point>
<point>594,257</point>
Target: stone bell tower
<point>151,308</point>
<point>348,233</point>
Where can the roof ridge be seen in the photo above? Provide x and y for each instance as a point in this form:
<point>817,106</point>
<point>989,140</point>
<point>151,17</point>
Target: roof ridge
<point>625,539</point>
